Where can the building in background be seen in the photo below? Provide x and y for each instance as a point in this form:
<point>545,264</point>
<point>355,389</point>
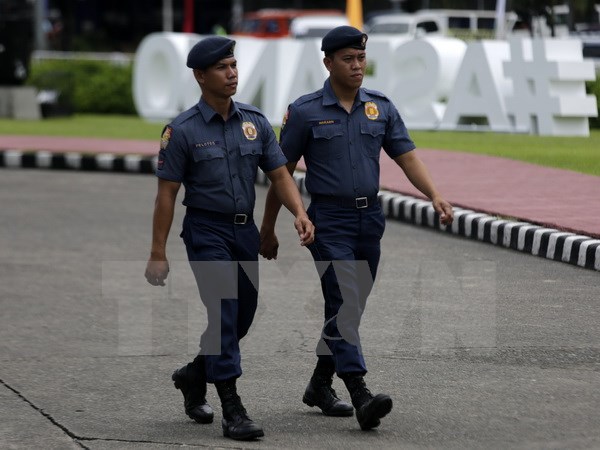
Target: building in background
<point>16,40</point>
<point>117,25</point>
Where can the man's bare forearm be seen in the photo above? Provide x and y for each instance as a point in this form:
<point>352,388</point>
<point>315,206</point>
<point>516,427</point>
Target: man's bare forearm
<point>164,208</point>
<point>417,174</point>
<point>276,199</point>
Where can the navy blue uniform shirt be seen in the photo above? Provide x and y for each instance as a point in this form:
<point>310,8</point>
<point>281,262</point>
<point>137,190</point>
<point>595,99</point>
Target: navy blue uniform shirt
<point>216,160</point>
<point>342,150</point>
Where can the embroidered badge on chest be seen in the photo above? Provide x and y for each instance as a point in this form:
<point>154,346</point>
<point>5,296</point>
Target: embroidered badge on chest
<point>164,140</point>
<point>371,110</point>
<point>249,131</point>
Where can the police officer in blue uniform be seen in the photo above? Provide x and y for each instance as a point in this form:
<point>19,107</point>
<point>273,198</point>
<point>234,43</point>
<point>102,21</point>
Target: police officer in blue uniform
<point>214,149</point>
<point>340,130</point>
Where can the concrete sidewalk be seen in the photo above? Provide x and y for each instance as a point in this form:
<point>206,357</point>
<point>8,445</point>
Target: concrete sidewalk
<point>564,205</point>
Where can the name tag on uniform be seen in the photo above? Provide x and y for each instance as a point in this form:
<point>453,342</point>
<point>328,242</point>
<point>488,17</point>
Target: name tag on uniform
<point>208,144</point>
<point>317,123</point>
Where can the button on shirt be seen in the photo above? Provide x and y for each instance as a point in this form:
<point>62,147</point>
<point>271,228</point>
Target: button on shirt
<point>342,149</point>
<point>217,160</point>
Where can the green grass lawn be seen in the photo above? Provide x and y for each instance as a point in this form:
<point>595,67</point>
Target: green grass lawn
<point>573,153</point>
<point>86,125</point>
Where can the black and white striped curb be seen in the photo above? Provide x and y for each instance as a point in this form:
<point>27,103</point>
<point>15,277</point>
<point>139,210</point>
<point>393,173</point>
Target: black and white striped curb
<point>549,243</point>
<point>105,162</point>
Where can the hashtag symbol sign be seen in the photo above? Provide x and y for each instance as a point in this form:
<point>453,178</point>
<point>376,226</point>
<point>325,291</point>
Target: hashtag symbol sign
<point>543,89</point>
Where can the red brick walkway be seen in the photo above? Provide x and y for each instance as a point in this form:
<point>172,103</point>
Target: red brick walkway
<point>552,197</point>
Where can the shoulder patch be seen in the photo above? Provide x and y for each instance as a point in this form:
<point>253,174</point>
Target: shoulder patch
<point>166,137</point>
<point>285,117</point>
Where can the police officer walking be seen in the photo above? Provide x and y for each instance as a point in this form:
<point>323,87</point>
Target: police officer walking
<point>214,149</point>
<point>340,130</point>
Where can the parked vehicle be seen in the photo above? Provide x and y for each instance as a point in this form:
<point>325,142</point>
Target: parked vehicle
<point>412,25</point>
<point>315,26</point>
<point>464,24</point>
<point>277,23</point>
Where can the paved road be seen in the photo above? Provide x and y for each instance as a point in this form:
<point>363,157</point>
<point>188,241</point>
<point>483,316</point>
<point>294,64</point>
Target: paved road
<point>480,347</point>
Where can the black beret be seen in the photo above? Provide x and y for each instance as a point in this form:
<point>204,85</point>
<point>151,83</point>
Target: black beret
<point>343,37</point>
<point>209,51</point>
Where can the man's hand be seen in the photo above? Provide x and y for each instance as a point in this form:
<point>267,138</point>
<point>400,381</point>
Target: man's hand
<point>157,271</point>
<point>268,244</point>
<point>305,229</point>
<point>444,209</point>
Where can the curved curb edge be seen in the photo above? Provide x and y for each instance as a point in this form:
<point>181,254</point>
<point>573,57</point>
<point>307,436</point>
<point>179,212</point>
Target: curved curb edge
<point>571,248</point>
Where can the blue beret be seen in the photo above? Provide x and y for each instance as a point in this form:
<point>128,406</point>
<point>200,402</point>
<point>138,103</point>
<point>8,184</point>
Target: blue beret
<point>344,37</point>
<point>210,50</point>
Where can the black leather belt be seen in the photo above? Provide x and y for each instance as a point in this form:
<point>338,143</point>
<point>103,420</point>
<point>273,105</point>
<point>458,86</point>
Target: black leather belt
<point>344,202</point>
<point>237,219</point>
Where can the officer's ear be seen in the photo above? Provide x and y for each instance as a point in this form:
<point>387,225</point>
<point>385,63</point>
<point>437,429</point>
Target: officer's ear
<point>199,76</point>
<point>328,61</point>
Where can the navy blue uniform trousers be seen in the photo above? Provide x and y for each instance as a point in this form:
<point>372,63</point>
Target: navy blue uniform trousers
<point>346,251</point>
<point>224,259</point>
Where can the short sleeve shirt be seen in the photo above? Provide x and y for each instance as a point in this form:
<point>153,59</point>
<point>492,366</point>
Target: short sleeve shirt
<point>217,160</point>
<point>341,150</point>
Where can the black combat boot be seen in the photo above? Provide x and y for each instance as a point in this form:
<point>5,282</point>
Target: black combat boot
<point>369,408</point>
<point>236,423</point>
<point>320,393</point>
<point>191,380</point>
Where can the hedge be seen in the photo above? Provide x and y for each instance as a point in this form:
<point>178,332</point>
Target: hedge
<point>103,87</point>
<point>84,86</point>
<point>593,87</point>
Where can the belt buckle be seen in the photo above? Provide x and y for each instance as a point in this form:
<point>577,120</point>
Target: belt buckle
<point>240,219</point>
<point>361,202</point>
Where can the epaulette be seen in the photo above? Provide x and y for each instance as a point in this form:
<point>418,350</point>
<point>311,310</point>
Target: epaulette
<point>248,107</point>
<point>375,93</point>
<point>308,97</point>
<point>188,114</point>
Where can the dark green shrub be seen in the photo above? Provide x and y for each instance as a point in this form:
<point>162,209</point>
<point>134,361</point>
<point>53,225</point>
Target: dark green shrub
<point>99,87</point>
<point>593,88</point>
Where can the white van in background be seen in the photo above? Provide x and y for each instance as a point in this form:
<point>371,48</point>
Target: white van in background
<point>461,23</point>
<point>410,25</point>
<point>315,26</point>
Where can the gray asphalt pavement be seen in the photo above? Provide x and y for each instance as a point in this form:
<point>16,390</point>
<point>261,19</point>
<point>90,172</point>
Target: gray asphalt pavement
<point>480,347</point>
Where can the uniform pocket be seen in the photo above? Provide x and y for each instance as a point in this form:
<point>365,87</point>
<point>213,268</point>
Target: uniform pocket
<point>372,137</point>
<point>328,142</point>
<point>250,154</point>
<point>209,164</point>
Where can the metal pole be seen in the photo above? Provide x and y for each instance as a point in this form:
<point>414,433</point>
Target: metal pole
<point>354,13</point>
<point>188,16</point>
<point>237,13</point>
<point>500,17</point>
<point>167,15</point>
<point>39,17</point>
